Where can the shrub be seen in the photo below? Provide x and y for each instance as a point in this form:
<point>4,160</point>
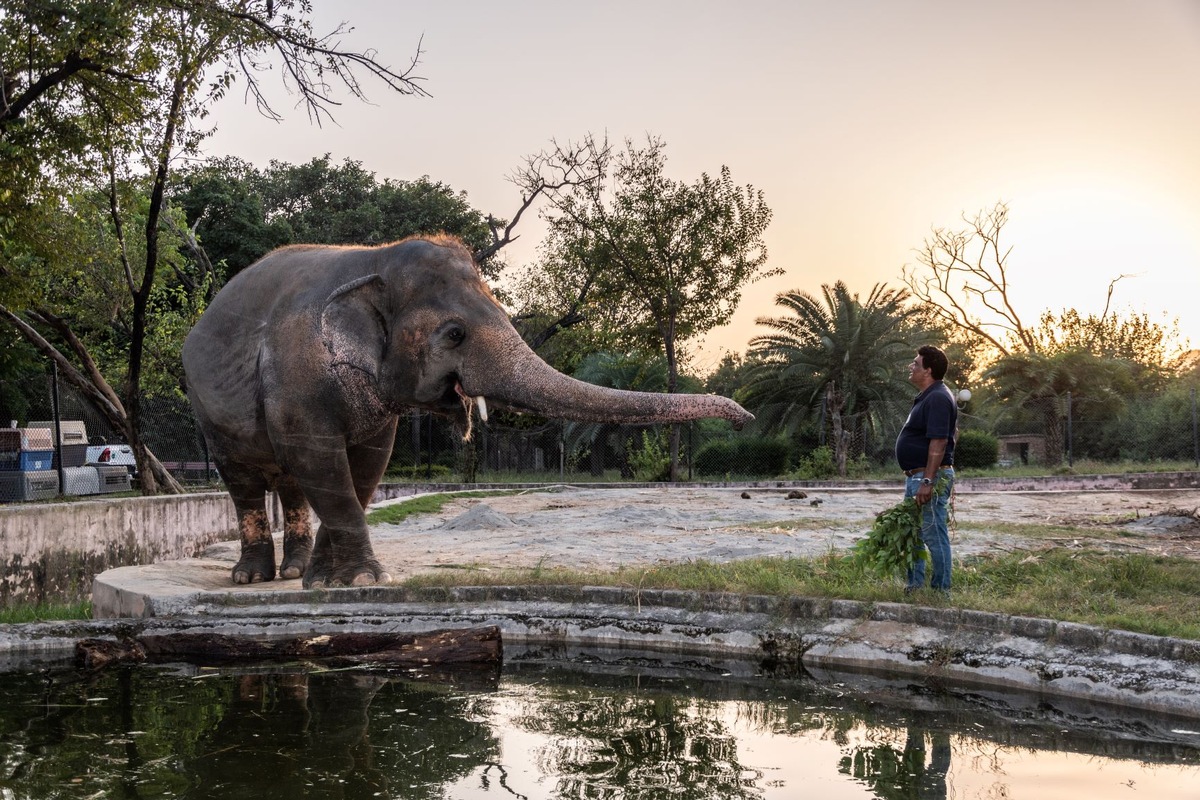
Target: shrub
<point>410,473</point>
<point>714,458</point>
<point>819,465</point>
<point>976,449</point>
<point>649,460</point>
<point>752,455</point>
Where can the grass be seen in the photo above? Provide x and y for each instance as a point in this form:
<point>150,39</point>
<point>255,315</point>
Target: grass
<point>426,504</point>
<point>45,612</point>
<point>1140,593</point>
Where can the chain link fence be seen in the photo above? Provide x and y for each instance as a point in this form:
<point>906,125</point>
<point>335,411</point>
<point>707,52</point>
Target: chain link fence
<point>1161,429</point>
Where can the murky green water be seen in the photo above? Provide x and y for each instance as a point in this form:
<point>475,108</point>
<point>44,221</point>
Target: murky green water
<point>621,726</point>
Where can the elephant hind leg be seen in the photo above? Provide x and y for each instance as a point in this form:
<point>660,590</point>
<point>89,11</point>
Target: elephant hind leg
<point>297,529</point>
<point>248,490</point>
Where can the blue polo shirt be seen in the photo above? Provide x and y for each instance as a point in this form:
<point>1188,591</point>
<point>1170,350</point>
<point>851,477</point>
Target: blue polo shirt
<point>934,415</point>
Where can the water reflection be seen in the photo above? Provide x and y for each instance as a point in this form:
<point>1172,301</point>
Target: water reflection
<point>623,727</point>
<point>908,773</point>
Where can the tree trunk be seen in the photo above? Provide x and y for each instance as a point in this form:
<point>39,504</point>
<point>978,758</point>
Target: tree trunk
<point>480,645</point>
<point>841,439</point>
<point>1053,429</point>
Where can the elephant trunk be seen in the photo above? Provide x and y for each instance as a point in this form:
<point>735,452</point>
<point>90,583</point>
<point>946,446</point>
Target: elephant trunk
<point>526,382</point>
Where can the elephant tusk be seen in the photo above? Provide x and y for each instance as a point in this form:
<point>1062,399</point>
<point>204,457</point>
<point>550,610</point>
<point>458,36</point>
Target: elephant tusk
<point>481,404</point>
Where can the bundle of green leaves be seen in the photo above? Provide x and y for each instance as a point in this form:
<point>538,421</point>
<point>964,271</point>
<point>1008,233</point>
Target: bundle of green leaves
<point>894,542</point>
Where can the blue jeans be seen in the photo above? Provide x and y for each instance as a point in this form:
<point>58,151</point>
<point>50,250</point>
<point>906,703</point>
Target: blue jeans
<point>935,530</point>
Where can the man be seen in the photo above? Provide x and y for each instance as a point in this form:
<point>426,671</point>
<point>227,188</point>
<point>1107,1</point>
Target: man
<point>925,450</point>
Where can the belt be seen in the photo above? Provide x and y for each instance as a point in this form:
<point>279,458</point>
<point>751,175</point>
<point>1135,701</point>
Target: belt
<point>911,472</point>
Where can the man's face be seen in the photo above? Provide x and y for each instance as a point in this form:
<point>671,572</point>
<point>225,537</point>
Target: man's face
<point>918,374</point>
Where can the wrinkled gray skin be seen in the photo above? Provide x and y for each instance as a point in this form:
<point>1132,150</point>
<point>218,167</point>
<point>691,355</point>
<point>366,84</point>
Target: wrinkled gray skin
<point>299,367</point>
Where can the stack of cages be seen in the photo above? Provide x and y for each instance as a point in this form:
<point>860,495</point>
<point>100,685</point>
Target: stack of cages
<point>27,464</point>
<point>30,463</point>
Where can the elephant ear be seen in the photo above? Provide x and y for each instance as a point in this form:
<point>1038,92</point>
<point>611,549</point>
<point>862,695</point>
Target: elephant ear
<point>352,325</point>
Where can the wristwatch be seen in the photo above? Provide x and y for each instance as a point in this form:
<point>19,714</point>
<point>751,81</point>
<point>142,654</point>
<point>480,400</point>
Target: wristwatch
<point>926,481</point>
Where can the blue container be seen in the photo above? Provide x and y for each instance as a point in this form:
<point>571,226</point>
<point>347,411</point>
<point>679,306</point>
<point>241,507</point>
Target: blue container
<point>27,460</point>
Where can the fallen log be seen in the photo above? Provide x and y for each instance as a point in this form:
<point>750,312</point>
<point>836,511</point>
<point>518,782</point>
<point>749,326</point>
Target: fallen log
<point>463,646</point>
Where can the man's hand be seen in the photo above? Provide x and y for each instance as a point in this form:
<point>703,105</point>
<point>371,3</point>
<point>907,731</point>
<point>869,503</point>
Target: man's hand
<point>924,494</point>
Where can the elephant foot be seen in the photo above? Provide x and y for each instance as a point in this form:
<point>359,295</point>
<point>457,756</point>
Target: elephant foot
<point>321,574</point>
<point>366,573</point>
<point>296,558</point>
<point>256,565</point>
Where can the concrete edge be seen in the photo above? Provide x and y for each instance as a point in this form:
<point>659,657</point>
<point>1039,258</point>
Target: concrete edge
<point>950,646</point>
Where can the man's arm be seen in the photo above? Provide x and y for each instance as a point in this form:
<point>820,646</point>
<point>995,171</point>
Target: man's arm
<point>937,450</point>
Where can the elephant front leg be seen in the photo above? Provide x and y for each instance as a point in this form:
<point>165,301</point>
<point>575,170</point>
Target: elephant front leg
<point>257,562</point>
<point>297,531</point>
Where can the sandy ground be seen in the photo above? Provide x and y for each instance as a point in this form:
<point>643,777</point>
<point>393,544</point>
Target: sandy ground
<point>606,528</point>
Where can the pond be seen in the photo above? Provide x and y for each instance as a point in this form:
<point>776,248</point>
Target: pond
<point>578,724</point>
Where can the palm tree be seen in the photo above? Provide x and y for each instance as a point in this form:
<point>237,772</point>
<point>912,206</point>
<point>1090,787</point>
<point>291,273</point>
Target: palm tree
<point>1040,382</point>
<point>641,372</point>
<point>841,354</point>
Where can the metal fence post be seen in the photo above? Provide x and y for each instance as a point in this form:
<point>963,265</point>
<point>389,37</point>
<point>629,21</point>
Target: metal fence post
<point>1195,432</point>
<point>1071,457</point>
<point>429,445</point>
<point>58,455</point>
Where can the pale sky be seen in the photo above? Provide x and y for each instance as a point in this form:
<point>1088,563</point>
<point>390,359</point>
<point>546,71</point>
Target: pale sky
<point>865,123</point>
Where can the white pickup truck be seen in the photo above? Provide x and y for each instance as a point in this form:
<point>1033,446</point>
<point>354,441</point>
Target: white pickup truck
<point>113,454</point>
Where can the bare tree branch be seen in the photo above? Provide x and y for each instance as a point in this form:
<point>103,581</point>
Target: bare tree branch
<point>970,268</point>
<point>545,176</point>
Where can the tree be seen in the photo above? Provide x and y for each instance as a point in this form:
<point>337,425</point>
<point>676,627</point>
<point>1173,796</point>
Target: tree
<point>667,259</point>
<point>638,372</point>
<point>1136,340</point>
<point>97,93</point>
<point>836,355</point>
<point>1040,382</point>
<point>965,282</point>
<point>239,213</point>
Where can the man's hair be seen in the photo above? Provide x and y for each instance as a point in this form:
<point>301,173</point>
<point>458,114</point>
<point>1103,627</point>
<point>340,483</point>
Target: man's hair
<point>934,360</point>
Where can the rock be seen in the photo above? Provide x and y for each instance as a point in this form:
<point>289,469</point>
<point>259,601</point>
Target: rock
<point>815,502</point>
<point>795,494</point>
<point>745,495</point>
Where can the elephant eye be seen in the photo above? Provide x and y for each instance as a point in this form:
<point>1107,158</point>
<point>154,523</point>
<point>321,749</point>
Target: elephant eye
<point>456,334</point>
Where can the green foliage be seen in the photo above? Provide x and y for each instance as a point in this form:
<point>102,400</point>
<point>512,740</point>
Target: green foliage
<point>241,212</point>
<point>44,612</point>
<point>750,455</point>
<point>1135,339</point>
<point>418,472</point>
<point>650,460</point>
<point>976,450</point>
<point>654,262</point>
<point>819,464</point>
<point>894,543</point>
<point>836,359</point>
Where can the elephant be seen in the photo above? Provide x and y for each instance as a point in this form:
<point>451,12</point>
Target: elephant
<point>300,366</point>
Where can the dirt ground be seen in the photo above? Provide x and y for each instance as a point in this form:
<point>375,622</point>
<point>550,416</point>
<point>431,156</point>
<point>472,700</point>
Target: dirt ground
<point>606,528</point>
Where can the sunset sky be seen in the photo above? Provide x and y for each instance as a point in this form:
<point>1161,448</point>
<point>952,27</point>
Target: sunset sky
<point>865,123</point>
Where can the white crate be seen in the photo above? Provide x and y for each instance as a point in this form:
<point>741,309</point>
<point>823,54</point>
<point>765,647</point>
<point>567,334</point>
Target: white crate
<point>70,431</point>
<point>112,478</point>
<point>81,480</point>
<point>40,485</point>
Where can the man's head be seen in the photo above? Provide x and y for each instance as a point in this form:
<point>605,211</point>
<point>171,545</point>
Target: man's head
<point>929,366</point>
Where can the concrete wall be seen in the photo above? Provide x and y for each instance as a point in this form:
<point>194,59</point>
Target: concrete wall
<point>51,551</point>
